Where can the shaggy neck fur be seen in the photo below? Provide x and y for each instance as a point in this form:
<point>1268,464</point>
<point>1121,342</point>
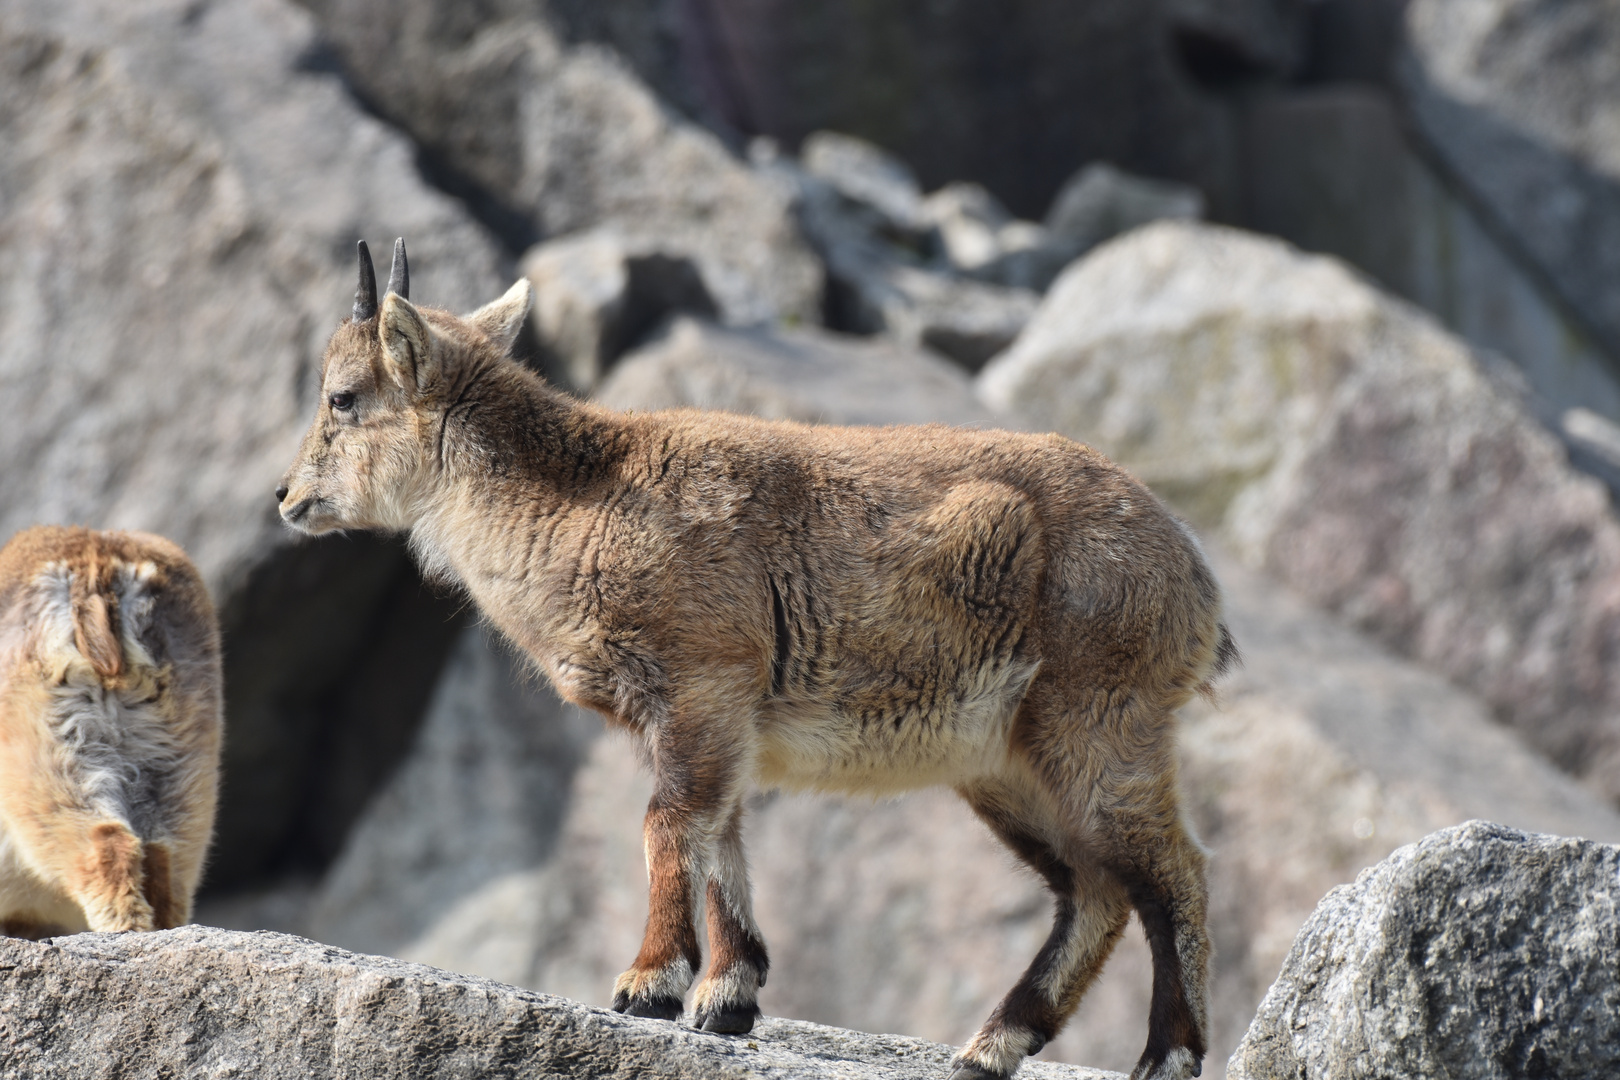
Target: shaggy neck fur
<point>508,440</point>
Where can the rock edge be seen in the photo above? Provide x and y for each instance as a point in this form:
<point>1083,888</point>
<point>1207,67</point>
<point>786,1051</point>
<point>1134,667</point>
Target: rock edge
<point>200,1001</point>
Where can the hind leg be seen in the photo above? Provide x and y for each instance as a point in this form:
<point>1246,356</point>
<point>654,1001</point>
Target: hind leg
<point>1142,834</point>
<point>105,876</point>
<point>1091,911</point>
<point>97,864</point>
<point>94,862</point>
<point>1165,878</point>
<point>727,1000</point>
<point>158,886</point>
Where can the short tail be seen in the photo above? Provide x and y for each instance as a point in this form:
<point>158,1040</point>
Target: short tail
<point>95,633</point>
<point>1227,657</point>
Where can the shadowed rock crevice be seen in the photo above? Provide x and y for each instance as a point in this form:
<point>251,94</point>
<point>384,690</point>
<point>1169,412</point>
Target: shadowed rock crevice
<point>332,649</point>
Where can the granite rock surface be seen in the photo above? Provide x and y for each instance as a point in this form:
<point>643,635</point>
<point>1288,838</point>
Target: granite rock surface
<point>1479,951</point>
<point>202,1002</point>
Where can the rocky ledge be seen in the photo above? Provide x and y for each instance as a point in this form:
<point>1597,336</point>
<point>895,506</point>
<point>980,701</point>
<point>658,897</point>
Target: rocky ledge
<point>203,1002</point>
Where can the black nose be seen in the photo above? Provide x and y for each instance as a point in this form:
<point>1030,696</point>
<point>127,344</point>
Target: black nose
<point>281,492</point>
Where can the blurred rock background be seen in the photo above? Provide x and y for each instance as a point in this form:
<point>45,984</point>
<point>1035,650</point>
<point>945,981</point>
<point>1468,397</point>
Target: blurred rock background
<point>1337,277</point>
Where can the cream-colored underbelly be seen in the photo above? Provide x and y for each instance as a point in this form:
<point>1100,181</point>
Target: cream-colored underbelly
<point>815,746</point>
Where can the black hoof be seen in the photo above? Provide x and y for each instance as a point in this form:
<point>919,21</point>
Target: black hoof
<point>657,1008</point>
<point>734,1020</point>
<point>966,1070</point>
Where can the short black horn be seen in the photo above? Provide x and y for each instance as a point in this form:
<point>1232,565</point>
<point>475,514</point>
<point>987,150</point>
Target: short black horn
<point>365,294</point>
<point>399,277</point>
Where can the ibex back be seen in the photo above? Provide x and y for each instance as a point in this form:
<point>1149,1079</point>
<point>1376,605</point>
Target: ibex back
<point>109,731</point>
<point>844,609</point>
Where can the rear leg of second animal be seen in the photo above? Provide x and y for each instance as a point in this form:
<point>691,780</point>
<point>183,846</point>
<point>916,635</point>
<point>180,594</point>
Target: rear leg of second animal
<point>102,866</point>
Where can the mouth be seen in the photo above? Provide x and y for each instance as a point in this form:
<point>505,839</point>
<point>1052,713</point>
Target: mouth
<point>302,515</point>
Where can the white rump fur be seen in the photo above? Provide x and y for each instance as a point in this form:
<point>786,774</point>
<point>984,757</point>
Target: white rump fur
<point>108,741</point>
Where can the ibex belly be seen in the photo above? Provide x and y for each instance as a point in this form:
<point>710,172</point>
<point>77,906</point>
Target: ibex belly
<point>890,742</point>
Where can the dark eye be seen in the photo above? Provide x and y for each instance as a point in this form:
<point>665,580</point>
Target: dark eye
<point>342,401</point>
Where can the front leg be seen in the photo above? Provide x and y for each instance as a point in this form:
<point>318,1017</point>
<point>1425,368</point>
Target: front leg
<point>699,760</point>
<point>675,837</point>
<point>727,1001</point>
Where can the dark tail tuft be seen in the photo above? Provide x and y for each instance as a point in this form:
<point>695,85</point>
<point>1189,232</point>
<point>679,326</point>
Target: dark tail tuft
<point>1227,657</point>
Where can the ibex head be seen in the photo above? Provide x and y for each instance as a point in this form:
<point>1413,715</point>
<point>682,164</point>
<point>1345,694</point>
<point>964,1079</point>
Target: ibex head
<point>390,373</point>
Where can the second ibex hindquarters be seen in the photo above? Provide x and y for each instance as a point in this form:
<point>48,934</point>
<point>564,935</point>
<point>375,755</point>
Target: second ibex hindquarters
<point>109,732</point>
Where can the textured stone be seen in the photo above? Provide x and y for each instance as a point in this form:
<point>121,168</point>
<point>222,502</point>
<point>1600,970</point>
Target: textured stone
<point>1099,202</point>
<point>1479,951</point>
<point>557,139</point>
<point>597,292</point>
<point>1520,99</point>
<point>793,374</point>
<point>206,1002</point>
<point>1348,444</point>
<point>883,273</point>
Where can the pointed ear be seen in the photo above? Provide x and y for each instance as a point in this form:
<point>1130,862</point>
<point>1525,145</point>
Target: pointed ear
<point>406,341</point>
<point>500,320</point>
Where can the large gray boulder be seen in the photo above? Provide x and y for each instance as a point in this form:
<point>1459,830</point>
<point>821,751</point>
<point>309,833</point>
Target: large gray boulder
<point>1480,951</point>
<point>1348,444</point>
<point>555,139</point>
<point>1520,99</point>
<point>183,191</point>
<point>792,374</point>
<point>200,1002</point>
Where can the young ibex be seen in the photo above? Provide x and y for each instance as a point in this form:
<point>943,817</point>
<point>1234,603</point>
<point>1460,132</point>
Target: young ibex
<point>109,731</point>
<point>785,605</point>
